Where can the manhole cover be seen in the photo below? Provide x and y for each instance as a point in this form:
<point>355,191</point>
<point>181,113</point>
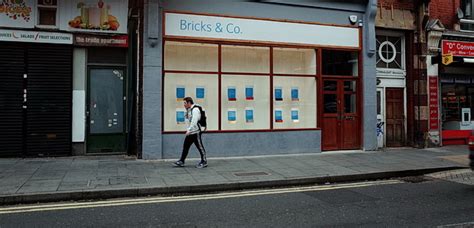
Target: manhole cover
<point>249,174</point>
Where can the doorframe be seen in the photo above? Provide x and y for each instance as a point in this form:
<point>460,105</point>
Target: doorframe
<point>340,109</point>
<point>124,68</point>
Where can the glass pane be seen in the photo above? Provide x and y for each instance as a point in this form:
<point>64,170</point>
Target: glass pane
<point>343,63</point>
<point>202,87</point>
<point>350,86</point>
<point>106,101</point>
<point>330,85</point>
<point>294,61</point>
<point>191,56</point>
<point>379,103</point>
<point>298,104</point>
<point>245,59</point>
<point>250,101</point>
<point>330,103</point>
<point>47,16</point>
<point>349,103</point>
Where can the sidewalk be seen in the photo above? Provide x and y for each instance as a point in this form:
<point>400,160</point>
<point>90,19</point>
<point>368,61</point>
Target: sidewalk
<point>80,178</point>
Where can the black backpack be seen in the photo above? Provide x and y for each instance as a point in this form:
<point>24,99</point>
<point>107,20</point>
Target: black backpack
<point>203,121</point>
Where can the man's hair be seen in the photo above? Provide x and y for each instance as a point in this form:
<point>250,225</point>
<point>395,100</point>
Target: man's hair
<point>188,100</point>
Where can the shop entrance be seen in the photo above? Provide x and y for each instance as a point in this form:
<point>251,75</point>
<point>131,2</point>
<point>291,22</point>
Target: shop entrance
<point>35,100</point>
<point>106,110</point>
<point>341,125</point>
<point>395,119</point>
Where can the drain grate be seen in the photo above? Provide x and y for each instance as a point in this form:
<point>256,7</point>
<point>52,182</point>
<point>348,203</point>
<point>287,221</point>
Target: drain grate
<point>250,174</point>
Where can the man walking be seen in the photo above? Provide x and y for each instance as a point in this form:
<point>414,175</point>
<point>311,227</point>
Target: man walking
<point>193,133</point>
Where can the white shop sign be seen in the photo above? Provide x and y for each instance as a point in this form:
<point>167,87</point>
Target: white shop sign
<point>198,26</point>
<point>35,37</point>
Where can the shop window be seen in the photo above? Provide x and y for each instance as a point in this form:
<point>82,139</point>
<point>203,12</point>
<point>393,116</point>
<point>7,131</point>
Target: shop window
<point>294,61</point>
<point>455,97</point>
<point>244,59</point>
<point>340,63</point>
<point>245,103</point>
<point>184,56</point>
<point>390,52</point>
<point>204,91</point>
<point>297,106</point>
<point>47,12</point>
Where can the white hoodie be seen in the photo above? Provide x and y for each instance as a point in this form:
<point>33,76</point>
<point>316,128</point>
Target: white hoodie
<point>193,116</point>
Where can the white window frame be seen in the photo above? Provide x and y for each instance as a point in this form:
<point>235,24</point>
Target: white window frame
<point>394,72</point>
<point>57,7</point>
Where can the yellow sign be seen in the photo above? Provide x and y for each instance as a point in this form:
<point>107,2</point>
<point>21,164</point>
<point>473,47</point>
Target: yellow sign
<point>447,59</point>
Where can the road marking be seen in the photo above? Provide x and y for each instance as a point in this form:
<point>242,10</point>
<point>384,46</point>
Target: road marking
<point>466,224</point>
<point>168,199</point>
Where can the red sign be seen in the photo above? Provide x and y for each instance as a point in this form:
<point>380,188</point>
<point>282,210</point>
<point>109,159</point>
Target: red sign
<point>103,41</point>
<point>433,102</point>
<point>458,48</point>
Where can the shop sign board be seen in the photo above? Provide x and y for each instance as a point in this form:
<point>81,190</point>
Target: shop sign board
<point>107,41</point>
<point>433,89</point>
<point>102,16</point>
<point>35,36</point>
<point>457,48</point>
<point>215,27</point>
<point>448,58</point>
<point>17,13</point>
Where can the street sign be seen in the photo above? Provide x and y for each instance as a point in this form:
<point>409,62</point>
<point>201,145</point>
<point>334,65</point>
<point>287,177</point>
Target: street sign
<point>447,59</point>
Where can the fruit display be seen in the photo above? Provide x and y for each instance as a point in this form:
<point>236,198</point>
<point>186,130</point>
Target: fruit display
<point>94,16</point>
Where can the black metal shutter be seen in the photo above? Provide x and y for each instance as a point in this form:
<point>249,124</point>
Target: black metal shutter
<point>49,112</point>
<point>12,68</point>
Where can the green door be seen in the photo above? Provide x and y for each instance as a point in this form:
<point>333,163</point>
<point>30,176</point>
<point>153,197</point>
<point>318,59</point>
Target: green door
<point>106,110</point>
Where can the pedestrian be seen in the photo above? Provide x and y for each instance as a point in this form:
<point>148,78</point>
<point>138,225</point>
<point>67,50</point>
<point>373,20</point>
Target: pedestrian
<point>194,119</point>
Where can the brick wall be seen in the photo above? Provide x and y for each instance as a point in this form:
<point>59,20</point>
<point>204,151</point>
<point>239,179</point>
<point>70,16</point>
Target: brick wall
<point>445,11</point>
<point>397,4</point>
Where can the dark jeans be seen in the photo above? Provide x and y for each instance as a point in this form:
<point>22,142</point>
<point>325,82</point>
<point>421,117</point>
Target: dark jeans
<point>197,140</point>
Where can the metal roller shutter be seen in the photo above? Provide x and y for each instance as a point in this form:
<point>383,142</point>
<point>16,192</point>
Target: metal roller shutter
<point>49,112</point>
<point>12,68</point>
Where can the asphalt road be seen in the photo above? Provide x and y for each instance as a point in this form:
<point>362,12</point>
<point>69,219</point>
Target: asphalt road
<point>430,203</point>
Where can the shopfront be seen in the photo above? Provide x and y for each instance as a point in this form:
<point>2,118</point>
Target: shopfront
<point>268,86</point>
<point>456,91</point>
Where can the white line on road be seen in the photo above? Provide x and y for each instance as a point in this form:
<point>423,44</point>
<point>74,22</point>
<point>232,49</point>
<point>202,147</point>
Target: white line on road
<point>168,199</point>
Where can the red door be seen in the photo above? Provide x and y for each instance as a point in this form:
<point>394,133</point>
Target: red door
<point>340,125</point>
<point>395,126</point>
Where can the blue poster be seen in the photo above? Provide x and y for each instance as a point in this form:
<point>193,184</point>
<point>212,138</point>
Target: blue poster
<point>231,94</point>
<point>249,93</point>
<point>249,116</point>
<point>278,116</point>
<point>200,92</point>
<point>278,94</point>
<point>180,117</point>
<point>180,92</point>
<point>294,94</point>
<point>231,116</point>
<point>294,115</point>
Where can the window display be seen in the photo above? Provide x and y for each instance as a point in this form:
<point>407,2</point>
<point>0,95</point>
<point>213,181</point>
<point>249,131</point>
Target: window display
<point>186,85</point>
<point>300,107</point>
<point>191,69</point>
<point>251,114</point>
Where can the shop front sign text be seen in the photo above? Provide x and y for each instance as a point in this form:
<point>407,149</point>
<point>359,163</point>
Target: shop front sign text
<point>35,37</point>
<point>458,48</point>
<point>433,102</point>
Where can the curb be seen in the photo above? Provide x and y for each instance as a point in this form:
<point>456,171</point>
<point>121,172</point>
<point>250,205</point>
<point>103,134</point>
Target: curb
<point>195,189</point>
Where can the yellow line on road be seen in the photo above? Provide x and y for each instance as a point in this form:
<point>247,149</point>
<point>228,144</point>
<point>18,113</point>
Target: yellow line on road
<point>162,199</point>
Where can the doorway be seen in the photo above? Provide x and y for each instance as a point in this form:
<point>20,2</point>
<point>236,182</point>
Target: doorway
<point>341,119</point>
<point>395,117</point>
<point>106,110</point>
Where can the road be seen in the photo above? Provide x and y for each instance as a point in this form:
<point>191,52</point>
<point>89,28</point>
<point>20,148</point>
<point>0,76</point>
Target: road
<point>388,203</point>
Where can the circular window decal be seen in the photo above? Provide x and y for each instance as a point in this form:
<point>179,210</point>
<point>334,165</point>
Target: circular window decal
<point>393,52</point>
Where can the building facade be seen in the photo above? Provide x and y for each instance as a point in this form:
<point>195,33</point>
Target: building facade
<point>274,77</point>
<point>449,75</point>
<point>67,79</point>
